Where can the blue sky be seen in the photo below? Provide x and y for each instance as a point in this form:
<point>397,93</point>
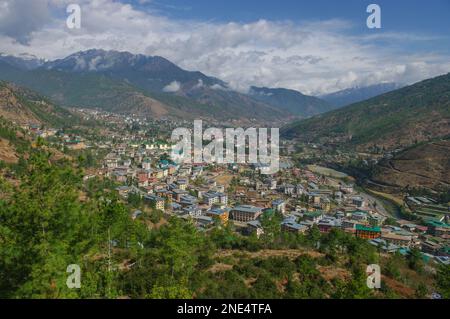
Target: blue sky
<point>416,17</point>
<point>398,15</point>
<point>315,46</point>
<point>430,17</point>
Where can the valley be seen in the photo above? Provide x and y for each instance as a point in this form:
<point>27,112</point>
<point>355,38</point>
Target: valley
<point>89,154</point>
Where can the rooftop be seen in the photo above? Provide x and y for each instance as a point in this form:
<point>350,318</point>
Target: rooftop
<point>248,209</point>
<point>366,228</point>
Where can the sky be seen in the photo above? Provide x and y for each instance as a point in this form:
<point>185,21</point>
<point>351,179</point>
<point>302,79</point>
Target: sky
<point>315,47</point>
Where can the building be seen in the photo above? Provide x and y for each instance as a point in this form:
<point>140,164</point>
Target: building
<point>155,201</point>
<point>223,198</point>
<point>192,210</point>
<point>430,247</point>
<point>438,229</point>
<point>142,179</point>
<point>350,223</point>
<point>327,224</point>
<point>177,193</point>
<point>300,190</point>
<point>182,184</point>
<point>188,200</point>
<point>384,246</point>
<point>366,232</point>
<point>289,189</point>
<point>338,196</point>
<point>314,198</point>
<point>254,226</point>
<point>376,219</point>
<point>147,164</point>
<point>210,198</point>
<point>358,201</point>
<point>359,215</point>
<point>279,206</point>
<point>273,184</point>
<point>399,240</point>
<point>326,204</point>
<point>245,213</point>
<point>293,227</point>
<point>314,217</point>
<point>136,214</point>
<point>347,189</point>
<point>222,214</point>
<point>203,221</point>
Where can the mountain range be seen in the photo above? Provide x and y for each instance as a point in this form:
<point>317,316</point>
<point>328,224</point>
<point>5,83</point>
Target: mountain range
<point>291,101</point>
<point>358,94</point>
<point>150,85</point>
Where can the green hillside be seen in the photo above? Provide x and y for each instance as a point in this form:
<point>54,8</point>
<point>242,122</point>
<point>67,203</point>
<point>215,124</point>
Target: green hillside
<point>412,114</point>
<point>291,101</point>
<point>21,105</point>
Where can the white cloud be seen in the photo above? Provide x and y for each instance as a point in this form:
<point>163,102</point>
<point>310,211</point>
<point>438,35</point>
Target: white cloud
<point>218,87</point>
<point>172,87</point>
<point>313,57</point>
<point>199,84</point>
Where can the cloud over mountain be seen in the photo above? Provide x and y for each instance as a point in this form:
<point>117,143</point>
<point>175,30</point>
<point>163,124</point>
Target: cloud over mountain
<point>313,57</point>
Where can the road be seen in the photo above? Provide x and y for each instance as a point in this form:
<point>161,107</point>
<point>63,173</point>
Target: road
<point>379,207</point>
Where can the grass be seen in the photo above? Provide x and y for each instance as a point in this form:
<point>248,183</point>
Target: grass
<point>396,200</point>
<point>326,171</point>
<point>390,203</point>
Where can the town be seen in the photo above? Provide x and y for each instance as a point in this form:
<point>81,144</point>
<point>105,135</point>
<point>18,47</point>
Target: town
<point>134,153</point>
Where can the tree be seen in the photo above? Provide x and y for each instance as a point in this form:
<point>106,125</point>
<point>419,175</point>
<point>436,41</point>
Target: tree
<point>443,281</point>
<point>314,235</point>
<point>42,225</point>
<point>357,288</point>
<point>271,225</point>
<point>392,268</point>
<point>44,228</point>
<point>415,261</point>
<point>421,291</point>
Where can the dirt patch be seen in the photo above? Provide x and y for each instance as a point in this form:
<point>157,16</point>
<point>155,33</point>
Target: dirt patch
<point>332,272</point>
<point>224,180</point>
<point>267,253</point>
<point>398,287</point>
<point>7,152</point>
<point>219,267</point>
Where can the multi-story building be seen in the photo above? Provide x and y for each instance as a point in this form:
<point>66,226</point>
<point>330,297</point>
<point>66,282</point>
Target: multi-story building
<point>399,240</point>
<point>146,164</point>
<point>155,201</point>
<point>223,198</point>
<point>327,224</point>
<point>293,227</point>
<point>245,213</point>
<point>192,210</point>
<point>279,206</point>
<point>367,232</point>
<point>221,214</point>
<point>210,198</point>
<point>314,217</point>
